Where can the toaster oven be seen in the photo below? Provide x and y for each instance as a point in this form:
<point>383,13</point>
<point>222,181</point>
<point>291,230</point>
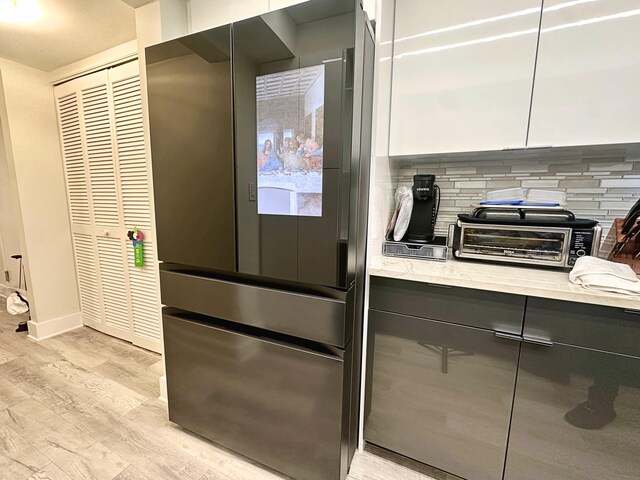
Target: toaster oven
<point>550,245</point>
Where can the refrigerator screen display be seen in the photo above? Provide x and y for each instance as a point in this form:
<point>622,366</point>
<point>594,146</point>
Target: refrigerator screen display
<point>290,120</point>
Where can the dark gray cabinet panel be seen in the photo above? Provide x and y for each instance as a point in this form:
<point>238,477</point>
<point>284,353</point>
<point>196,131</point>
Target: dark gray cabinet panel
<point>591,326</point>
<point>440,393</point>
<point>563,390</point>
<point>478,308</point>
<point>275,403</point>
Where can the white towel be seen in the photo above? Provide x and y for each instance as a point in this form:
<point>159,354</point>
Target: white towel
<point>598,274</point>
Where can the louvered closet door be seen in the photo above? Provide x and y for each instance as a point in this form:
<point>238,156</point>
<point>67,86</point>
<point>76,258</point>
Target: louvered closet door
<point>102,136</point>
<point>134,181</point>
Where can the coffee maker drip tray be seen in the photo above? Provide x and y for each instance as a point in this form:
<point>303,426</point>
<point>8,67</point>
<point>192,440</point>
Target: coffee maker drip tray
<point>434,250</point>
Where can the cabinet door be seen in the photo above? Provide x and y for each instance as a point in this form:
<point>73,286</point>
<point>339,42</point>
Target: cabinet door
<point>576,415</point>
<point>587,74</point>
<point>462,74</point>
<point>440,393</point>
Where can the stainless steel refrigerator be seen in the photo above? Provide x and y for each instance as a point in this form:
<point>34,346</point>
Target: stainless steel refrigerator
<point>261,142</point>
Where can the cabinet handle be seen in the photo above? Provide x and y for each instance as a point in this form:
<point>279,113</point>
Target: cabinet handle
<point>508,336</point>
<point>632,312</point>
<point>438,285</point>
<point>537,341</point>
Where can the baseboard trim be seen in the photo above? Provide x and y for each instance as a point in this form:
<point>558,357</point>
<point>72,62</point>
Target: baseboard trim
<point>163,389</point>
<point>43,330</point>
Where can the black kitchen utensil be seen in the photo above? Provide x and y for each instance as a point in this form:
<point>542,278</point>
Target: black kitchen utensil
<point>631,217</point>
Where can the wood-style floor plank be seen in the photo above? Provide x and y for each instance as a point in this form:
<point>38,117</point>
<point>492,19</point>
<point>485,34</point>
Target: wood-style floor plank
<point>107,392</point>
<point>16,450</point>
<point>10,394</point>
<point>111,348</point>
<point>5,355</point>
<point>84,405</point>
<point>215,475</point>
<point>140,379</point>
<point>45,429</point>
<point>50,472</point>
<point>27,375</point>
<point>132,472</point>
<point>20,346</point>
<point>96,462</point>
<point>222,461</point>
<point>154,456</point>
<point>11,470</point>
<point>74,352</point>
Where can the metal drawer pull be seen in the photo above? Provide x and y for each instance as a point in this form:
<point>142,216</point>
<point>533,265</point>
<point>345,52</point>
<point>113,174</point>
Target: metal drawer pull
<point>538,341</point>
<point>438,285</point>
<point>508,336</point>
<point>633,312</point>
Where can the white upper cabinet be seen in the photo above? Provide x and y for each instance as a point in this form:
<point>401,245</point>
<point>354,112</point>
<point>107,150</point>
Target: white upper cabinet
<point>587,83</point>
<point>462,74</point>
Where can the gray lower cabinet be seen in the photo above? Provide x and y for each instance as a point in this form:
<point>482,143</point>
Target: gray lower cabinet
<point>577,406</point>
<point>441,383</point>
<point>440,393</point>
<point>576,415</point>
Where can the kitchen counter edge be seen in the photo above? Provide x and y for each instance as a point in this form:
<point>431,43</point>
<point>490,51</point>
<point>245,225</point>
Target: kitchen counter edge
<point>533,282</point>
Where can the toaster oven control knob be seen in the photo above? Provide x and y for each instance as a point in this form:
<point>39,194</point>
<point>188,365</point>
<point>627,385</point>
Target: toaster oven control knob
<point>581,253</point>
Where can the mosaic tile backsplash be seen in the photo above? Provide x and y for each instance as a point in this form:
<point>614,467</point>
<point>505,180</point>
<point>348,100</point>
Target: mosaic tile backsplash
<point>600,182</point>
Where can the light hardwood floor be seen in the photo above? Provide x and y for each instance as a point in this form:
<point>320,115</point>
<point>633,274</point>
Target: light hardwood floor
<point>84,405</point>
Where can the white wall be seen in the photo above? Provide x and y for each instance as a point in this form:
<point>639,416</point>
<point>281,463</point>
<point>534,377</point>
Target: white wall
<point>207,14</point>
<point>174,18</point>
<point>9,224</point>
<point>29,127</point>
<point>148,28</point>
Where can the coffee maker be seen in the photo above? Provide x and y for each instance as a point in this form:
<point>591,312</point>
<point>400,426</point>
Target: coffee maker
<point>426,203</point>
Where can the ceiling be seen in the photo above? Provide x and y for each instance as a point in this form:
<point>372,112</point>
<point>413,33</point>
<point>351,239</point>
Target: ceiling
<point>66,31</point>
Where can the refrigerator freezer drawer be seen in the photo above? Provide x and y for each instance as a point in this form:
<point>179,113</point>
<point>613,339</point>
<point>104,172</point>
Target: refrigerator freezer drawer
<point>315,318</point>
<point>277,404</point>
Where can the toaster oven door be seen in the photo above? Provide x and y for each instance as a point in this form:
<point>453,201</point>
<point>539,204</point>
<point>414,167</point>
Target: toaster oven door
<point>515,244</point>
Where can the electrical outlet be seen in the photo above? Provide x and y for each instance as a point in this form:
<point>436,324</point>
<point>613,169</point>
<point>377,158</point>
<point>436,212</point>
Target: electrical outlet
<point>6,275</point>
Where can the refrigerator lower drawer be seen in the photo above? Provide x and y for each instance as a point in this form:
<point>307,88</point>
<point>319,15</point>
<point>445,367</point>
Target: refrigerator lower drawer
<point>315,318</point>
<point>277,404</point>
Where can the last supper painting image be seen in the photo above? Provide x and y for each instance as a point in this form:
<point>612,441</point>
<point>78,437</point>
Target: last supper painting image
<point>290,119</point>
